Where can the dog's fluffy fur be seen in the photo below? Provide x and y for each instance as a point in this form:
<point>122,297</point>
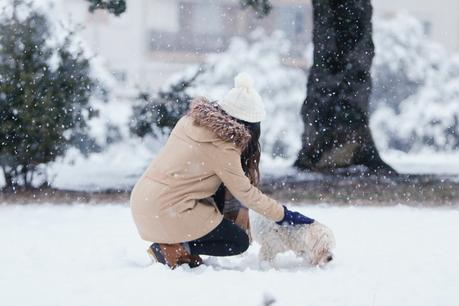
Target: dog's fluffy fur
<point>313,242</point>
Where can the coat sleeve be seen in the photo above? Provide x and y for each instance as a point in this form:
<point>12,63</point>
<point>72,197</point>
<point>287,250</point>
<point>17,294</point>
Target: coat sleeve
<point>227,166</point>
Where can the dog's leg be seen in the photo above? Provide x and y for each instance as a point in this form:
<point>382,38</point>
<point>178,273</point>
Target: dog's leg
<point>305,257</point>
<point>267,253</point>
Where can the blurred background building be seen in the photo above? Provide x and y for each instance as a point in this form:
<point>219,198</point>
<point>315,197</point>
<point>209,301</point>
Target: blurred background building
<point>155,38</point>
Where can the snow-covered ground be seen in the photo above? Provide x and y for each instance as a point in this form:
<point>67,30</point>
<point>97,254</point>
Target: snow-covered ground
<point>122,165</point>
<point>441,163</point>
<point>91,255</point>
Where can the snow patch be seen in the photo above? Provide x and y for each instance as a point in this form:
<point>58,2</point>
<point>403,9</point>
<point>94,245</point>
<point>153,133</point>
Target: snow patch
<point>92,255</point>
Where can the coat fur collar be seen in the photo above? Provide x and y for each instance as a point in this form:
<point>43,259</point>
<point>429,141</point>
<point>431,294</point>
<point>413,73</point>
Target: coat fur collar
<point>211,116</point>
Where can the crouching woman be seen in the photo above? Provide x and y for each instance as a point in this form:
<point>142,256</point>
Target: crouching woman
<point>212,152</point>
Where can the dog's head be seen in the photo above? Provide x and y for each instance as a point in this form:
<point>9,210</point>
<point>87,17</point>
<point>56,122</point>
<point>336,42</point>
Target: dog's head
<point>320,243</point>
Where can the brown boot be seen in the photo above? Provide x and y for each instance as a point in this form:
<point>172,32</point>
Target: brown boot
<point>173,255</point>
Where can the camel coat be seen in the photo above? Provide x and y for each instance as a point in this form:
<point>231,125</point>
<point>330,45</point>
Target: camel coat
<point>171,201</point>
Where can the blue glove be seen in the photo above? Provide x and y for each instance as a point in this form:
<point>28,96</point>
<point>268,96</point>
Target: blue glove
<point>294,218</point>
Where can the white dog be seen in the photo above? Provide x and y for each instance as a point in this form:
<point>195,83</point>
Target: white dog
<point>313,242</point>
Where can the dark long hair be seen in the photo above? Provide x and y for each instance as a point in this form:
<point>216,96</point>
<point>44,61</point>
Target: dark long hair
<point>250,157</point>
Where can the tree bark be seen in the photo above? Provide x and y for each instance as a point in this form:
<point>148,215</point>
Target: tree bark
<point>8,178</point>
<point>335,112</point>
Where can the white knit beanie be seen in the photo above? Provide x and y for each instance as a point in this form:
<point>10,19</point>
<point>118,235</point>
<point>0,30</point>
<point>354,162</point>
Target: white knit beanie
<point>243,101</point>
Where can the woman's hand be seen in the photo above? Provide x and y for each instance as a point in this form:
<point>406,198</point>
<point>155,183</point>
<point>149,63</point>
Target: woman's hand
<point>294,218</point>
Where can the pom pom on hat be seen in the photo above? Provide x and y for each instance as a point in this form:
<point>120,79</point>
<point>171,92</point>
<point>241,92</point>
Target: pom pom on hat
<point>243,101</point>
<point>244,80</point>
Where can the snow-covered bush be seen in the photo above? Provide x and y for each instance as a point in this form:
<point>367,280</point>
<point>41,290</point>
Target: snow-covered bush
<point>416,89</point>
<point>154,114</point>
<point>44,94</point>
<point>404,59</point>
<point>69,86</point>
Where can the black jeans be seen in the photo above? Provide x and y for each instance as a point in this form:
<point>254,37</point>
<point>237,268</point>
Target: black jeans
<point>225,240</point>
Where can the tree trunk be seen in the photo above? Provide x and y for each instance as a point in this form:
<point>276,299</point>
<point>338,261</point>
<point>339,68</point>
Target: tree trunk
<point>335,112</point>
<point>24,175</point>
<point>8,178</point>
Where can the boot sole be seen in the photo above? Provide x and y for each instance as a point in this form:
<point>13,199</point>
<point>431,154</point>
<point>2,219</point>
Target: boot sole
<point>151,255</point>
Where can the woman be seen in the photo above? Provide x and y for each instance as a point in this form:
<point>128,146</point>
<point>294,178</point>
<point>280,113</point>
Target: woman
<point>212,151</point>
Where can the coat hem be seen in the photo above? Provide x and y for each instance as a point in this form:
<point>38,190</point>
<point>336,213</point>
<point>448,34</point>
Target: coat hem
<point>186,238</point>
